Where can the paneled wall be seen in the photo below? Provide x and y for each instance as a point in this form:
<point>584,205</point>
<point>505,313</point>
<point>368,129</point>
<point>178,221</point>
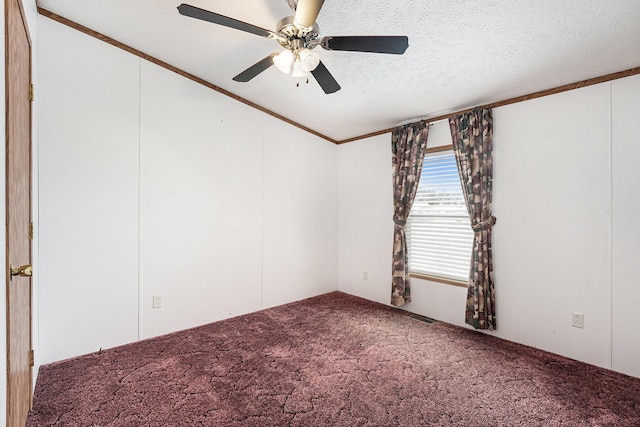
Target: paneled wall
<point>625,97</point>
<point>565,194</point>
<point>201,204</point>
<point>154,185</point>
<point>88,149</point>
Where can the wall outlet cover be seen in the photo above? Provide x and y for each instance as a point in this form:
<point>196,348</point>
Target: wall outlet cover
<point>157,301</point>
<point>577,319</point>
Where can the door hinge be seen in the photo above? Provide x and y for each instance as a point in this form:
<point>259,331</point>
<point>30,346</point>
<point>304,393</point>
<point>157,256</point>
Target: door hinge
<point>31,358</point>
<point>31,230</point>
<point>31,94</point>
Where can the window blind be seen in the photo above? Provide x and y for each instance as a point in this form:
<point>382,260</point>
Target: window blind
<point>439,235</point>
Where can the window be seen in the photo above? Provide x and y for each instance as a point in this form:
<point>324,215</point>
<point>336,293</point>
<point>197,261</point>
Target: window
<point>439,235</point>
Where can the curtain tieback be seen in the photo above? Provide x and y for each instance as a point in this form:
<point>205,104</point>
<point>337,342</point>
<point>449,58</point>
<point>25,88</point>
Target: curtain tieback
<point>399,222</point>
<point>483,225</point>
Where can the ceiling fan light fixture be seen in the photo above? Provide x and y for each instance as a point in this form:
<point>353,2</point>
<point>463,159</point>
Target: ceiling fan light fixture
<point>298,70</point>
<point>299,34</point>
<point>284,61</point>
<point>308,60</point>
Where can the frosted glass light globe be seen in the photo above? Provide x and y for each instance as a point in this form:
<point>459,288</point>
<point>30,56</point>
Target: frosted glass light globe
<point>298,70</point>
<point>308,60</point>
<point>283,61</point>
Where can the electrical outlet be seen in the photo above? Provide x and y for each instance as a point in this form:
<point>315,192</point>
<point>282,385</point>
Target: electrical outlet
<point>365,275</point>
<point>157,301</point>
<point>577,319</point>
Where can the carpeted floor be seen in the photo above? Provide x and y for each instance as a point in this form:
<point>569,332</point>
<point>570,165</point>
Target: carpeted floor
<point>333,360</point>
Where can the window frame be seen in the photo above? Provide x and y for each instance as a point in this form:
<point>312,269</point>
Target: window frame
<point>429,277</point>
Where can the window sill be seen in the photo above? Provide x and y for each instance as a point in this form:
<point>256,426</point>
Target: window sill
<point>439,279</point>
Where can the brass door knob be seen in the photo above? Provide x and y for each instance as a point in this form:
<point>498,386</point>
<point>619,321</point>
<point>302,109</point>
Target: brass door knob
<point>23,271</point>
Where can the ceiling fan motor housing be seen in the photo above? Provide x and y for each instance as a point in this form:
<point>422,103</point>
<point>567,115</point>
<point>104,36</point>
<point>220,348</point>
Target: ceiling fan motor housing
<point>294,38</point>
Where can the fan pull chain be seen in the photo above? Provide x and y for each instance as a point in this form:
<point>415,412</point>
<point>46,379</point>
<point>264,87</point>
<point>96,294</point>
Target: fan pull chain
<point>298,82</point>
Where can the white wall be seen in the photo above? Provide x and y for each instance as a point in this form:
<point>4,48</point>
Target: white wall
<point>88,126</point>
<point>201,204</point>
<point>300,220</point>
<point>365,225</point>
<point>626,230</point>
<point>181,192</point>
<point>552,241</point>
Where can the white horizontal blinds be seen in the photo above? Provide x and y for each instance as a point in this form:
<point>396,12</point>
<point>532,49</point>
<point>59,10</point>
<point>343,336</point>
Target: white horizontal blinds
<point>439,235</point>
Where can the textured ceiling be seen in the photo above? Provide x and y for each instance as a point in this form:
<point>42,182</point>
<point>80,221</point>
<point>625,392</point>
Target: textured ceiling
<point>461,53</point>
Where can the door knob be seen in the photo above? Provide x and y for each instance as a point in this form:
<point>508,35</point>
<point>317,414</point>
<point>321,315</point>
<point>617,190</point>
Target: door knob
<point>23,271</point>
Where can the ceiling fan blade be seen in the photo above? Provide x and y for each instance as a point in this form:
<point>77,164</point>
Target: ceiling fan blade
<point>306,13</point>
<point>255,69</point>
<point>325,79</point>
<point>205,15</point>
<point>377,44</point>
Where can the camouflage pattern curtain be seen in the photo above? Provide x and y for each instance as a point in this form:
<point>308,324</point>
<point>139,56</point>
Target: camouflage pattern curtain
<point>472,135</point>
<point>409,146</point>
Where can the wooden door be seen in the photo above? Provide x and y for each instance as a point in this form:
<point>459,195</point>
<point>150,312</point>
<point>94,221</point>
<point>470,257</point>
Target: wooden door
<point>18,199</point>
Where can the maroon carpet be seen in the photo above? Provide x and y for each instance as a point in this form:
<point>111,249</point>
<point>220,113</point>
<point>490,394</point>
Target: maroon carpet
<point>333,360</point>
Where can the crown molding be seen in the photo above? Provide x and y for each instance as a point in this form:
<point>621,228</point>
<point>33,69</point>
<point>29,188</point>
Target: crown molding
<point>125,47</point>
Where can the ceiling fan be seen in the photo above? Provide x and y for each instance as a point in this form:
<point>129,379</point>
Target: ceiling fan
<point>298,35</point>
